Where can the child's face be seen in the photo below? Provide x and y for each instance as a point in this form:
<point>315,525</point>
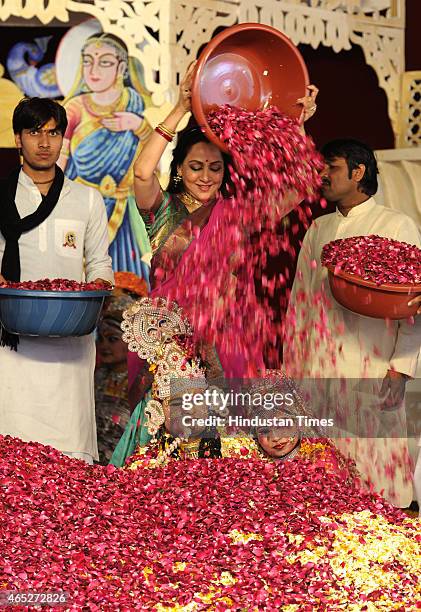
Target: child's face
<point>111,348</point>
<point>277,442</point>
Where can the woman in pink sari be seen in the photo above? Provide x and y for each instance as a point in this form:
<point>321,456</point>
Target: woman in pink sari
<point>181,222</point>
<point>199,181</point>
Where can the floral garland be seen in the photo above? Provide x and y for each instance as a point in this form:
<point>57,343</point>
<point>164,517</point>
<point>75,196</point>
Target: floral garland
<point>130,282</point>
<point>322,452</point>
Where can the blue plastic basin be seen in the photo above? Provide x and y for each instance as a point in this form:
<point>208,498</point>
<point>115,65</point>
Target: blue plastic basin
<point>50,313</point>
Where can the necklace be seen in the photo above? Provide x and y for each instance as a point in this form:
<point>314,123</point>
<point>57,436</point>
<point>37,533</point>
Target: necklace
<point>104,110</point>
<point>192,203</point>
<point>190,449</point>
<point>189,201</point>
<point>43,182</point>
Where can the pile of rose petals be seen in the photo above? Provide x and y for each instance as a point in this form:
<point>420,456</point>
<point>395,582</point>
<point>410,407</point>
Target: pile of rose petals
<point>275,167</point>
<point>199,535</point>
<point>56,284</point>
<point>375,258</point>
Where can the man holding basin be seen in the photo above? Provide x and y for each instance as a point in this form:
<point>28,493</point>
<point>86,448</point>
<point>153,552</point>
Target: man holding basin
<point>371,358</point>
<point>50,228</point>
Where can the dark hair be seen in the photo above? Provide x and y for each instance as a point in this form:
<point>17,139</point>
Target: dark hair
<point>33,113</point>
<point>111,40</point>
<point>188,137</point>
<point>355,153</point>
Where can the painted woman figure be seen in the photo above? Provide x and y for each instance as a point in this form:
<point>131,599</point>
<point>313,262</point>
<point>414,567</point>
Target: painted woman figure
<point>105,134</point>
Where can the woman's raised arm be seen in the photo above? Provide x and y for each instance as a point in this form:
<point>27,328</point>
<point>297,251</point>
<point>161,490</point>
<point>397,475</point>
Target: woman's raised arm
<point>146,185</point>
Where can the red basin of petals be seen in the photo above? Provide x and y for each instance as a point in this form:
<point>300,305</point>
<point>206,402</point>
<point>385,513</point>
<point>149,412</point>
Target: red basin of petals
<point>374,276</point>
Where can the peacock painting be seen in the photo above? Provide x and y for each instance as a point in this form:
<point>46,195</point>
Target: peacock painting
<point>23,65</point>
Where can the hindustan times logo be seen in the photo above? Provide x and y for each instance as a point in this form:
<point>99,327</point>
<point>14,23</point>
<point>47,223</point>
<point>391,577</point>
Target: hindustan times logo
<point>299,421</point>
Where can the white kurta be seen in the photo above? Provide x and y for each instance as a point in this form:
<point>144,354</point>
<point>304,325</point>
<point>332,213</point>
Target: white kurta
<point>46,389</point>
<point>361,347</point>
<point>366,347</point>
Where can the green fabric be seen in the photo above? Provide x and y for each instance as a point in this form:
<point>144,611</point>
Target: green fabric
<point>162,223</point>
<point>136,433</point>
<point>154,222</point>
<point>146,227</point>
<point>138,227</point>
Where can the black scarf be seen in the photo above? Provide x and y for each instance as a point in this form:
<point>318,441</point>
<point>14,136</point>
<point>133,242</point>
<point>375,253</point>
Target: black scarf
<point>12,227</point>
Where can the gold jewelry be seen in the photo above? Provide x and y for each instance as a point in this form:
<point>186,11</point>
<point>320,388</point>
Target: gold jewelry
<point>178,178</point>
<point>190,202</point>
<point>154,411</point>
<point>163,134</point>
<point>150,328</point>
<point>99,110</point>
<point>120,80</point>
<point>102,39</point>
<point>162,459</point>
<point>190,449</point>
<point>166,130</point>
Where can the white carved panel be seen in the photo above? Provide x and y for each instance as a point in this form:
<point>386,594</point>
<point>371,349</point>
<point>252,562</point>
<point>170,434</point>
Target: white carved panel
<point>301,23</point>
<point>375,25</point>
<point>165,35</point>
<point>193,24</point>
<point>410,118</point>
<point>384,52</point>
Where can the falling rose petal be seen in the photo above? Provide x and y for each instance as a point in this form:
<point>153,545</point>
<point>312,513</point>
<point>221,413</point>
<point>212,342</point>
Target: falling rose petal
<point>275,167</point>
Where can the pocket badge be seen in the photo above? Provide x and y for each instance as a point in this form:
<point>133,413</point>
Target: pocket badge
<point>70,240</point>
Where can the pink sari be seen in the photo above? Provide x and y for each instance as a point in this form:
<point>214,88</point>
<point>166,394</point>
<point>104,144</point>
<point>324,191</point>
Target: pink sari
<point>232,361</point>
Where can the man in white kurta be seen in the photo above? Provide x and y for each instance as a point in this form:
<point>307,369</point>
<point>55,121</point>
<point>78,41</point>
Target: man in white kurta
<point>327,341</point>
<point>46,388</point>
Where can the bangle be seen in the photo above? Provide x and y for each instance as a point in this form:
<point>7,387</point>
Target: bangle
<point>167,137</point>
<point>166,130</point>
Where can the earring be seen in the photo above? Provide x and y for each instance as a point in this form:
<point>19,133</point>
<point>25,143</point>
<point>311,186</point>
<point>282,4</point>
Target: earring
<point>120,80</point>
<point>177,179</point>
<point>154,413</point>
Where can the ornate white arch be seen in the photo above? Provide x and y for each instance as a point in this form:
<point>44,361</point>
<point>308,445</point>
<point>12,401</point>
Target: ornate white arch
<point>165,34</point>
